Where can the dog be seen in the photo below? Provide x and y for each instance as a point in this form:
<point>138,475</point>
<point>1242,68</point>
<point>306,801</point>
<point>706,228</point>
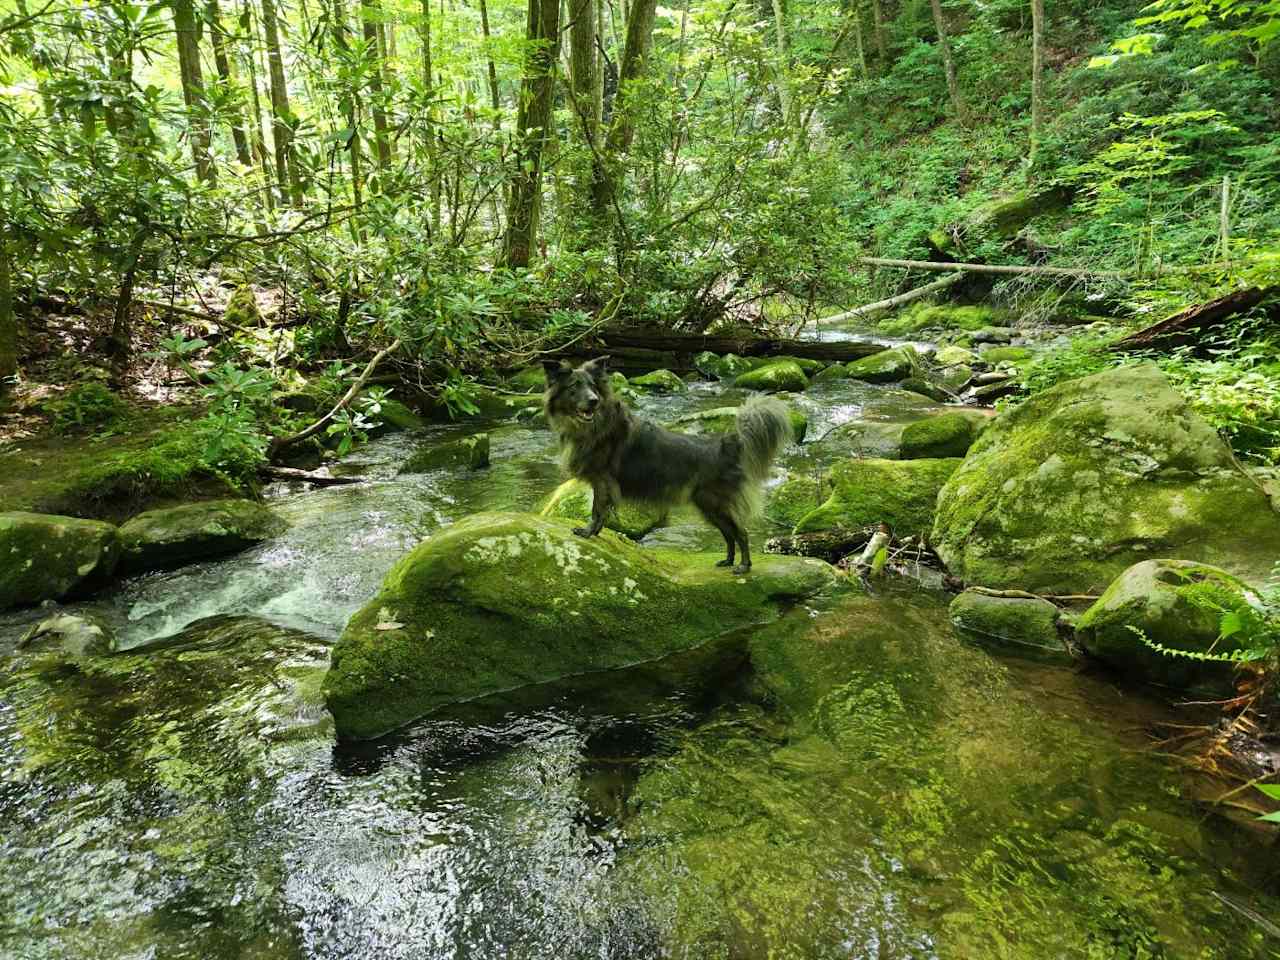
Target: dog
<point>625,457</point>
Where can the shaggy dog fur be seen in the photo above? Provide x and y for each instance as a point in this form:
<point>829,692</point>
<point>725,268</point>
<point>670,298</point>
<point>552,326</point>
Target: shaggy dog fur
<point>624,457</point>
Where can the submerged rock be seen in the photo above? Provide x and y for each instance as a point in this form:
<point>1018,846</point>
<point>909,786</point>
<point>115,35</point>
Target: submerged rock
<point>46,557</point>
<point>901,493</point>
<point>471,452</point>
<point>659,381</point>
<point>1025,621</point>
<point>724,419</point>
<point>68,634</point>
<point>887,366</point>
<point>1174,604</point>
<point>502,600</point>
<point>946,435</point>
<point>774,377</point>
<point>1065,491</point>
<point>167,537</point>
<point>572,500</point>
<point>722,367</point>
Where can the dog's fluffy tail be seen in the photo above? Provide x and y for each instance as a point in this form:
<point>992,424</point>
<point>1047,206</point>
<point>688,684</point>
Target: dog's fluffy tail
<point>764,428</point>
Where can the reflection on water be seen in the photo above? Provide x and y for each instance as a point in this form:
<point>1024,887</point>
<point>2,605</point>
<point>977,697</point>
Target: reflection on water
<point>852,781</point>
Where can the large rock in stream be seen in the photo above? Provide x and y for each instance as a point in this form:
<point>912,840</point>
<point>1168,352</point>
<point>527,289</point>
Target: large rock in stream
<point>901,493</point>
<point>502,600</point>
<point>1065,491</point>
<point>45,557</point>
<point>177,535</point>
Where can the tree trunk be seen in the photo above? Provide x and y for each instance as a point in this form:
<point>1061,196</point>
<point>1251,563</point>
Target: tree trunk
<point>784,61</point>
<point>859,49</point>
<point>338,31</point>
<point>188,37</point>
<point>586,90</point>
<point>492,69</point>
<point>370,13</point>
<point>634,56</point>
<point>533,127</point>
<point>1037,77</point>
<point>8,319</point>
<point>948,63</point>
<point>227,77</point>
<point>287,171</point>
<point>428,79</point>
<point>882,50</point>
<point>256,131</point>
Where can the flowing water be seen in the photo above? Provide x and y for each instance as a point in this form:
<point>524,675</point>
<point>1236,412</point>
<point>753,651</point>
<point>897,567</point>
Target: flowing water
<point>853,780</point>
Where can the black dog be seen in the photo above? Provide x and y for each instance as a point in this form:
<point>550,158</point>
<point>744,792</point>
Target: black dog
<point>624,457</point>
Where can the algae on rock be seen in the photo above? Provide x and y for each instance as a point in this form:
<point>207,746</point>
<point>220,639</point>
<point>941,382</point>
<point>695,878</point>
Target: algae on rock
<point>774,377</point>
<point>572,500</point>
<point>471,452</point>
<point>174,535</point>
<point>946,435</point>
<point>901,493</point>
<point>502,600</point>
<point>887,366</point>
<point>45,557</point>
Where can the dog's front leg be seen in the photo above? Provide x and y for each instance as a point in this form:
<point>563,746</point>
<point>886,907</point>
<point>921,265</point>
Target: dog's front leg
<point>603,497</point>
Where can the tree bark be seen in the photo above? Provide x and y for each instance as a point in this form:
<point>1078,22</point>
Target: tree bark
<point>8,318</point>
<point>828,545</point>
<point>256,131</point>
<point>1037,78</point>
<point>188,39</point>
<point>859,48</point>
<point>227,77</point>
<point>784,60</point>
<point>355,159</point>
<point>1182,327</point>
<point>882,50</point>
<point>997,268</point>
<point>587,95</point>
<point>948,63</point>
<point>892,303</point>
<point>533,127</point>
<point>370,14</point>
<point>287,171</point>
<point>492,70</point>
<point>634,56</point>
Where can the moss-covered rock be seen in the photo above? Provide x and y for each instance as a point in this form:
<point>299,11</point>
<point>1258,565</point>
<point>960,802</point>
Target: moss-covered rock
<point>774,377</point>
<point>998,355</point>
<point>43,557</point>
<point>572,500</point>
<point>724,419</point>
<point>796,497</point>
<point>940,316</point>
<point>946,435</point>
<point>528,380</point>
<point>949,356</point>
<point>1068,489</point>
<point>834,371</point>
<point>392,415</point>
<point>810,367</point>
<point>925,388</point>
<point>69,635</point>
<point>1175,604</point>
<point>726,367</point>
<point>956,377</point>
<point>993,334</point>
<point>176,535</point>
<point>491,404</point>
<point>901,493</point>
<point>242,309</point>
<point>471,452</point>
<point>659,381</point>
<point>887,366</point>
<point>502,600</point>
<point>1020,621</point>
<point>877,439</point>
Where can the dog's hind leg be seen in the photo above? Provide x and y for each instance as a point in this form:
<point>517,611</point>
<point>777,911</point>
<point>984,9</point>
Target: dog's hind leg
<point>723,522</point>
<point>604,494</point>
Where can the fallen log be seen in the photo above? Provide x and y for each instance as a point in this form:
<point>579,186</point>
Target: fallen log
<point>892,303</point>
<point>1180,328</point>
<point>999,268</point>
<point>828,545</point>
<point>306,476</point>
<point>686,345</point>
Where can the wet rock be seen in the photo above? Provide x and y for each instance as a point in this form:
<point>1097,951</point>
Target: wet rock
<point>952,355</point>
<point>393,415</point>
<point>834,371</point>
<point>726,367</point>
<point>71,635</point>
<point>774,377</point>
<point>572,500</point>
<point>901,493</point>
<point>471,452</point>
<point>724,419</point>
<point>810,367</point>
<point>993,335</point>
<point>503,600</point>
<point>1174,604</point>
<point>940,316</point>
<point>955,378</point>
<point>926,389</point>
<point>176,535</point>
<point>998,355</point>
<point>946,435</point>
<point>1076,484</point>
<point>796,497</point>
<point>993,391</point>
<point>1025,621</point>
<point>887,366</point>
<point>46,557</point>
<point>878,439</point>
<point>659,381</point>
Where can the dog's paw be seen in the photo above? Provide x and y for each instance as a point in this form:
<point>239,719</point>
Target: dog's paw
<point>742,568</point>
<point>724,563</point>
<point>586,532</point>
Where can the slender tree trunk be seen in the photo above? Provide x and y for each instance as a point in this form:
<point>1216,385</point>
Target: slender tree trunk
<point>882,50</point>
<point>533,125</point>
<point>430,142</point>
<point>1037,78</point>
<point>338,31</point>
<point>948,64</point>
<point>8,319</point>
<point>492,69</point>
<point>634,56</point>
<point>784,60</point>
<point>586,92</point>
<point>188,37</point>
<point>256,131</point>
<point>369,16</point>
<point>227,77</point>
<point>287,170</point>
<point>859,49</point>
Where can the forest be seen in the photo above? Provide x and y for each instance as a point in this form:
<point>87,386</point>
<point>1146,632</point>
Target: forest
<point>381,386</point>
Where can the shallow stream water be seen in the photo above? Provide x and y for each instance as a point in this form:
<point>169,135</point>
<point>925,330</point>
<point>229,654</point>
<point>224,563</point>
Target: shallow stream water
<point>854,780</point>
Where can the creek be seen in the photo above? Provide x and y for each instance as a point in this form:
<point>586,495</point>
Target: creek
<point>853,780</point>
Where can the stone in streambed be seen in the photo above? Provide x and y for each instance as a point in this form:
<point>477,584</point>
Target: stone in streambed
<point>1024,621</point>
<point>724,419</point>
<point>887,366</point>
<point>721,367</point>
<point>774,377</point>
<point>952,356</point>
<point>946,435</point>
<point>572,500</point>
<point>176,535</point>
<point>659,381</point>
<point>503,600</point>
<point>796,497</point>
<point>1076,484</point>
<point>901,493</point>
<point>1001,355</point>
<point>925,389</point>
<point>471,452</point>
<point>46,557</point>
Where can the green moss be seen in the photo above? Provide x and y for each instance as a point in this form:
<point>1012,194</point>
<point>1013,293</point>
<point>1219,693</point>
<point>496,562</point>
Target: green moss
<point>900,493</point>
<point>471,452</point>
<point>528,380</point>
<point>726,367</point>
<point>659,381</point>
<point>946,435</point>
<point>940,316</point>
<point>242,309</point>
<point>881,440</point>
<point>925,388</point>
<point>46,557</point>
<point>502,600</point>
<point>948,356</point>
<point>174,535</point>
<point>796,497</point>
<point>835,371</point>
<point>724,419</point>
<point>887,366</point>
<point>1079,482</point>
<point>774,377</point>
<point>1019,621</point>
<point>998,355</point>
<point>572,500</point>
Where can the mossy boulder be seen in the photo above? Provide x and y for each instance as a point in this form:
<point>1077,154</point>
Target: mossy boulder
<point>728,366</point>
<point>503,600</point>
<point>834,371</point>
<point>994,334</point>
<point>956,377</point>
<point>887,366</point>
<point>69,635</point>
<point>774,377</point>
<point>952,355</point>
<point>176,535</point>
<point>492,404</point>
<point>925,388</point>
<point>796,497</point>
<point>528,380</point>
<point>393,415</point>
<point>940,316</point>
<point>724,419</point>
<point>1016,621</point>
<point>471,452</point>
<point>810,367</point>
<point>242,309</point>
<point>998,355</point>
<point>1065,491</point>
<point>1175,604</point>
<point>901,493</point>
<point>878,439</point>
<point>946,435</point>
<point>45,557</point>
<point>659,381</point>
<point>572,500</point>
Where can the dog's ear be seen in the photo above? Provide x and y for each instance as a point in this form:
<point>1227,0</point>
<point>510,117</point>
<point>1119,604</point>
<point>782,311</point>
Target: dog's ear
<point>597,368</point>
<point>555,369</point>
